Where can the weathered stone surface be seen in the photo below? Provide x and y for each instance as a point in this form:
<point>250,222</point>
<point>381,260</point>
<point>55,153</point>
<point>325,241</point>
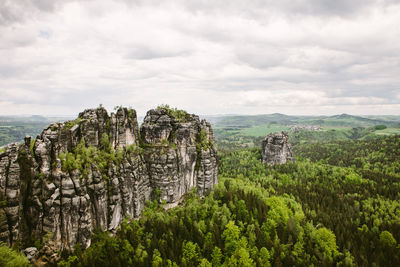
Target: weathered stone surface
<point>175,158</point>
<point>30,252</point>
<point>276,149</point>
<point>44,198</point>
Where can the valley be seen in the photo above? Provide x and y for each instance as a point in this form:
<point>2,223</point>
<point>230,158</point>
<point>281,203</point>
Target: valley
<point>337,204</point>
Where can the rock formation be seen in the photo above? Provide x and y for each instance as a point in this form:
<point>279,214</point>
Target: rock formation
<point>276,149</point>
<point>93,172</point>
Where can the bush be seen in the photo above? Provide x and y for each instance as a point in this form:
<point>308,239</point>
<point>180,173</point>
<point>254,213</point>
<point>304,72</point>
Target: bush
<point>387,239</point>
<point>179,114</point>
<point>11,258</point>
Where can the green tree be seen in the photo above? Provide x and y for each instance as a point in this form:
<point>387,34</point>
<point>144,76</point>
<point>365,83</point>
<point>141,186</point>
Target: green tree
<point>325,241</point>
<point>241,257</point>
<point>263,257</point>
<point>205,263</point>
<point>231,235</point>
<point>216,257</point>
<point>157,260</point>
<point>387,239</point>
<point>190,254</point>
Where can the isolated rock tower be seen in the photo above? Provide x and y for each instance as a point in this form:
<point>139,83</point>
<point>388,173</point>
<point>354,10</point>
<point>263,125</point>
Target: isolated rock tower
<point>276,149</point>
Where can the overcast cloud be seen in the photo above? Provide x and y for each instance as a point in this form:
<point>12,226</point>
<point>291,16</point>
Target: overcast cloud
<point>208,57</point>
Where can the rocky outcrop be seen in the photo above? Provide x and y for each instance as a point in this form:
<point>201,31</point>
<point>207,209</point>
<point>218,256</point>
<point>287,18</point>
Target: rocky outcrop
<point>276,149</point>
<point>93,172</point>
<point>189,162</point>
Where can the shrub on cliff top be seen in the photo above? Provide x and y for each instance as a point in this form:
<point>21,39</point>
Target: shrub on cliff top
<point>179,114</point>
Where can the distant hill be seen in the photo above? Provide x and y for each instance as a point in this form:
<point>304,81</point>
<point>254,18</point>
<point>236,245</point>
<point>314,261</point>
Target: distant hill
<point>15,128</point>
<point>347,120</point>
<point>342,120</point>
<point>252,120</point>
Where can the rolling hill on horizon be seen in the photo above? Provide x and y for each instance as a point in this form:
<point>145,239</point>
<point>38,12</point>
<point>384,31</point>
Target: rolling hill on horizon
<point>13,128</point>
<point>344,120</point>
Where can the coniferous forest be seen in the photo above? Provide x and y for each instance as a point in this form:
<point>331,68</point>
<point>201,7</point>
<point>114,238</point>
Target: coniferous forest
<point>337,205</point>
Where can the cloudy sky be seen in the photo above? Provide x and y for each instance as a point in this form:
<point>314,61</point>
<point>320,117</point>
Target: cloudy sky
<point>208,57</point>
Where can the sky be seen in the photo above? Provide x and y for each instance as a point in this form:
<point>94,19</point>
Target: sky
<point>298,57</point>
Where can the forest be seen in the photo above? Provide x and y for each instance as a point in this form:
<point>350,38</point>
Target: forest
<point>199,133</point>
<point>339,204</point>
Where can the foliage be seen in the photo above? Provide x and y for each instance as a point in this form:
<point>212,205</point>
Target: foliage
<point>348,187</point>
<point>216,230</point>
<point>322,211</point>
<point>325,242</point>
<point>69,124</point>
<point>202,142</point>
<point>387,239</point>
<point>379,156</point>
<point>180,115</point>
<point>11,258</point>
<point>83,157</point>
<point>32,146</point>
<point>337,205</point>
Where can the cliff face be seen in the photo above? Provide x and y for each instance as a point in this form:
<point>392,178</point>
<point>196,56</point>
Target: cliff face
<point>93,172</point>
<point>276,149</point>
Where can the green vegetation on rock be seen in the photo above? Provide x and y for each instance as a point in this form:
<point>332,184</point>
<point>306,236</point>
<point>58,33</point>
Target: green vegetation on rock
<point>82,157</point>
<point>180,115</point>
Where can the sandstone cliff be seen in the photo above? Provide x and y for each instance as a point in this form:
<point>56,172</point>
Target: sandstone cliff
<point>276,149</point>
<point>93,172</point>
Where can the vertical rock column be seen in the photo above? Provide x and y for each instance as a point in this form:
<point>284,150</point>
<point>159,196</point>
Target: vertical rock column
<point>276,149</point>
<point>207,168</point>
<point>9,194</point>
<point>180,154</point>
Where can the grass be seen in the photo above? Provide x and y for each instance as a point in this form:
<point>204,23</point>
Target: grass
<point>388,131</point>
<point>263,130</point>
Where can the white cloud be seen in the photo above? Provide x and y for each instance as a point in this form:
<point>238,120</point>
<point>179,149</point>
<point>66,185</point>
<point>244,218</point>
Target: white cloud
<point>302,57</point>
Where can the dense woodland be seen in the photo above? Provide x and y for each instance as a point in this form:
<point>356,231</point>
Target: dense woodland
<point>339,204</point>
